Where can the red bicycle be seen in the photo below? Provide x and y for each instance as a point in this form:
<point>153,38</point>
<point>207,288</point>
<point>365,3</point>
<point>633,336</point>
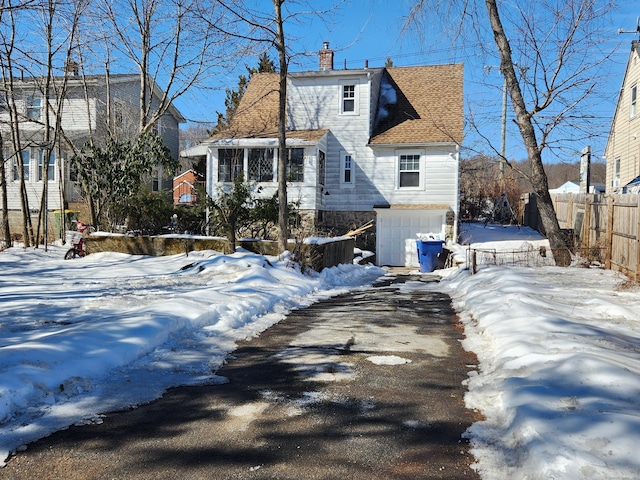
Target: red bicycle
<point>76,239</point>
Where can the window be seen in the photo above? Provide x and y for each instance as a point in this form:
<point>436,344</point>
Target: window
<point>16,169</point>
<point>348,98</point>
<point>34,104</point>
<point>26,157</point>
<point>295,164</point>
<point>260,165</point>
<point>409,170</point>
<point>51,171</point>
<point>73,171</point>
<point>616,173</point>
<point>634,101</point>
<point>118,115</point>
<point>322,167</point>
<point>155,180</point>
<point>230,164</point>
<point>346,169</point>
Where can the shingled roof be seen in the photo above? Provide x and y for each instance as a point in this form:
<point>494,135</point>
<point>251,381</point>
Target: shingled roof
<point>428,107</point>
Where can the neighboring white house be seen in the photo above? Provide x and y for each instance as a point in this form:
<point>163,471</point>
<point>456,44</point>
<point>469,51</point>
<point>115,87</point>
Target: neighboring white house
<point>371,144</point>
<point>623,145</point>
<point>92,106</point>
<point>567,187</point>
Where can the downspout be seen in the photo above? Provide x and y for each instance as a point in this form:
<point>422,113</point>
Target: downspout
<point>456,211</point>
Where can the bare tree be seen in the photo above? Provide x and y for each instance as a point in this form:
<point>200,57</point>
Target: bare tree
<point>283,211</point>
<point>9,57</point>
<point>59,39</point>
<point>6,231</point>
<point>170,45</point>
<point>549,58</point>
<point>260,30</point>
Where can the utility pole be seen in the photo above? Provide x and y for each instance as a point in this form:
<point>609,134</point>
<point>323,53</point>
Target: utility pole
<point>503,133</point>
<point>503,137</point>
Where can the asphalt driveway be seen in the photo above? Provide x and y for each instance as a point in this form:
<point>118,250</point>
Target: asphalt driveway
<point>367,385</point>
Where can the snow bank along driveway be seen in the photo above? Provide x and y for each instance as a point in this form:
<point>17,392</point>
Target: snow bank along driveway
<point>559,377</point>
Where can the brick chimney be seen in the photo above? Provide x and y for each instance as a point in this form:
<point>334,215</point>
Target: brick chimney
<point>326,57</point>
<point>72,67</point>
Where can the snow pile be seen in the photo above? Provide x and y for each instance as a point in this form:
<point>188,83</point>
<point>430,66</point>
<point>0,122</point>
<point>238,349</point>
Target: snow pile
<point>108,331</point>
<point>559,376</point>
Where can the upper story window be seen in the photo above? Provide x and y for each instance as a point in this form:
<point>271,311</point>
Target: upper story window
<point>409,170</point>
<point>347,165</point>
<point>633,110</point>
<point>230,164</point>
<point>295,164</point>
<point>260,165</point>
<point>34,106</point>
<point>348,98</point>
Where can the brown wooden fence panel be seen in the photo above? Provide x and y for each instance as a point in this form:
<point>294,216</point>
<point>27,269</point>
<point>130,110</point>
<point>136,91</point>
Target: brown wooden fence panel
<point>606,227</point>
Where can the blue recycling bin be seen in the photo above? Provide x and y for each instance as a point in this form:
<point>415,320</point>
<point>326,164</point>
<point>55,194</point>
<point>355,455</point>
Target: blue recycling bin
<point>428,251</point>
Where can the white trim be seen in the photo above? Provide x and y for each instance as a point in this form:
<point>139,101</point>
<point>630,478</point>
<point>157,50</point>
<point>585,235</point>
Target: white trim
<point>356,96</point>
<point>421,168</point>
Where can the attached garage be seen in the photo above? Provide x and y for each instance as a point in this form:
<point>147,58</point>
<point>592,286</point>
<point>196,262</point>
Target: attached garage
<point>397,230</point>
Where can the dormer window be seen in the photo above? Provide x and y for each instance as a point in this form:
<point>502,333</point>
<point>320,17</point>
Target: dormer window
<point>348,98</point>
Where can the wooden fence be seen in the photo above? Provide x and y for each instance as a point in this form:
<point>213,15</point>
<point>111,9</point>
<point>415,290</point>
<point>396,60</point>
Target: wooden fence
<point>605,228</point>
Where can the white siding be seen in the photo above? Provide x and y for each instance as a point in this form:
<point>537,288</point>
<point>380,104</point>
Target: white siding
<point>624,138</point>
<point>78,114</point>
<point>314,102</point>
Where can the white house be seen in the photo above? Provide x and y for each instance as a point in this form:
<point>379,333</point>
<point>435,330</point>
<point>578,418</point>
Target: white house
<point>370,144</point>
<point>94,106</point>
<point>566,187</point>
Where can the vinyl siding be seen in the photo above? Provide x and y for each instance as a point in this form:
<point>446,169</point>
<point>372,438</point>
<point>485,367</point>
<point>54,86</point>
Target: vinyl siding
<point>624,137</point>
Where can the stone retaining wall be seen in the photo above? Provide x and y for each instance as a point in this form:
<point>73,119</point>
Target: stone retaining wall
<point>314,255</point>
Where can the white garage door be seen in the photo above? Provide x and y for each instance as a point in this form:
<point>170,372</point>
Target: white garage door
<point>396,234</point>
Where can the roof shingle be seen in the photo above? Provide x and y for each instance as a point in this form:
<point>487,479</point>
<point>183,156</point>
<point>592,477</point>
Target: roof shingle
<point>428,108</point>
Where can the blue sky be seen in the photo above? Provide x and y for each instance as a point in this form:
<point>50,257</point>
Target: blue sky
<point>364,30</point>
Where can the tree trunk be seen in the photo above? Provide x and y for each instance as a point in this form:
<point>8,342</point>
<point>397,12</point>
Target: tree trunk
<point>561,253</point>
<point>283,206</point>
<point>6,233</point>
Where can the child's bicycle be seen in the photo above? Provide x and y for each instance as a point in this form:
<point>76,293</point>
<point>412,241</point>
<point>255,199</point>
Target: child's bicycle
<point>76,239</point>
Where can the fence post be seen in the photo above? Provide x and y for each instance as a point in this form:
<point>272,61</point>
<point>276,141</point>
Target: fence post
<point>474,263</point>
<point>609,242</point>
<point>585,235</point>
<point>637,272</point>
